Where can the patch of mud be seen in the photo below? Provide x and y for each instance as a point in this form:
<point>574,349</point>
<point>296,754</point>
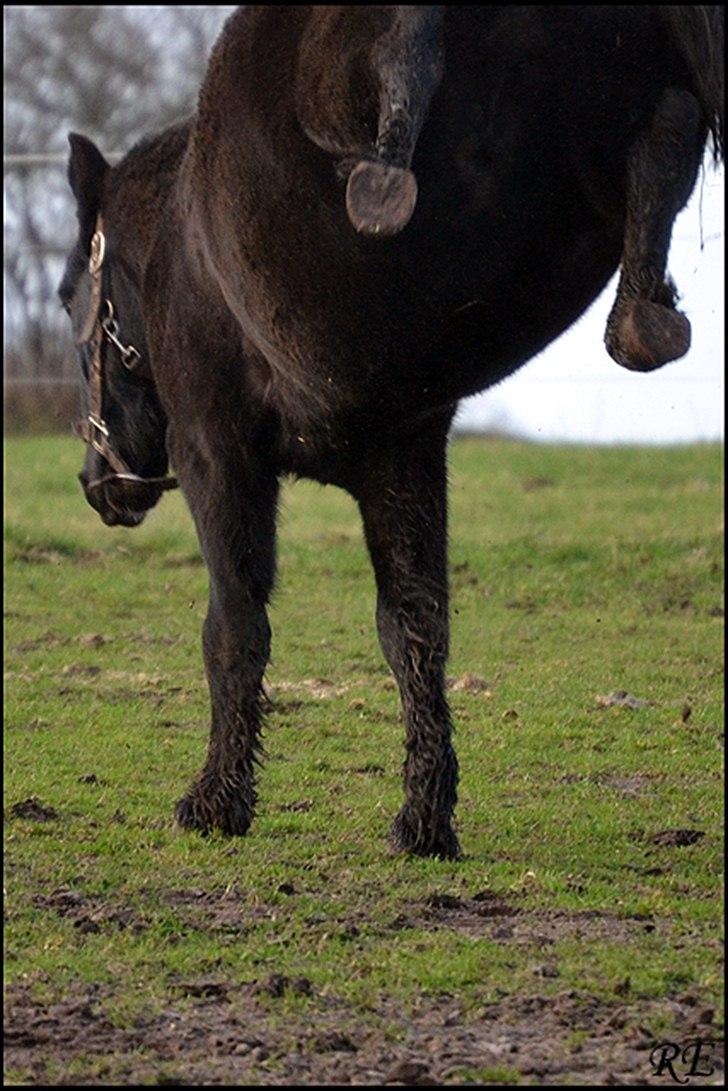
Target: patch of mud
<point>319,688</point>
<point>228,911</point>
<point>90,914</point>
<point>46,640</point>
<point>81,670</point>
<point>489,916</point>
<point>528,605</point>
<point>276,985</point>
<point>140,684</point>
<point>630,785</point>
<point>34,809</point>
<point>677,838</point>
<point>183,560</point>
<point>324,689</point>
<point>145,637</point>
<point>226,1032</point>
<point>463,575</point>
<point>534,484</point>
<point>299,805</point>
<point>48,554</point>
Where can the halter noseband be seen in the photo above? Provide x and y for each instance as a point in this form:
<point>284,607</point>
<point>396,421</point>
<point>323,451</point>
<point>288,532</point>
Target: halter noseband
<point>97,327</point>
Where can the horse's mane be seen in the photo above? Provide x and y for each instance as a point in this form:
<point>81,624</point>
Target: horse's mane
<point>155,155</point>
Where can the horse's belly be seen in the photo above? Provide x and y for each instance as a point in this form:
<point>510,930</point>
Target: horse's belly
<point>417,340</point>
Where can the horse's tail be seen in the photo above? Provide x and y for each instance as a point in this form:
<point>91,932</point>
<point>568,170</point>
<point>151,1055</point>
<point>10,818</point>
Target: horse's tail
<point>697,32</point>
<point>366,78</point>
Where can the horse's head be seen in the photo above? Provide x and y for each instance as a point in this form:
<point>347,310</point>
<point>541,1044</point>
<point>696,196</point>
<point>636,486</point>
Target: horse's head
<point>124,424</point>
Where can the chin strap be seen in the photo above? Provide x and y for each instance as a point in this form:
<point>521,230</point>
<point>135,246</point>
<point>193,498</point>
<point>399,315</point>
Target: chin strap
<point>97,328</point>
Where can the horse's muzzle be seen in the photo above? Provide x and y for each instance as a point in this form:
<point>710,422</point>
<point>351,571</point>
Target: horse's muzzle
<point>119,502</point>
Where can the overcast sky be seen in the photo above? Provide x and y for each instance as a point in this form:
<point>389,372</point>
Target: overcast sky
<point>574,391</point>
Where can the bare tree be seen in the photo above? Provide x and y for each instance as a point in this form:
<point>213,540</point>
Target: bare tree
<point>113,73</point>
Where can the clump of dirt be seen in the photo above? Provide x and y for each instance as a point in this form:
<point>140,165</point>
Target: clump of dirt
<point>677,838</point>
<point>469,683</point>
<point>621,699</point>
<point>35,810</point>
<point>298,806</point>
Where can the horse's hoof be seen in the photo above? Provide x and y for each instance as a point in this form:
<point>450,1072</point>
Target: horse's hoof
<point>642,335</point>
<point>380,199</point>
<point>197,812</point>
<point>414,839</point>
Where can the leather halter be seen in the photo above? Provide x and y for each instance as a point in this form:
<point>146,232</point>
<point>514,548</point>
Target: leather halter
<point>97,328</point>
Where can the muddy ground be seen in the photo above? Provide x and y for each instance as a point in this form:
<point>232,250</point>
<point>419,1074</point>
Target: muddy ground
<point>219,1031</point>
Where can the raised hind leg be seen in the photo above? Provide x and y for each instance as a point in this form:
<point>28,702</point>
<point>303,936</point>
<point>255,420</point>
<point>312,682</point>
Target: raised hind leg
<point>403,504</point>
<point>644,330</point>
<point>233,499</point>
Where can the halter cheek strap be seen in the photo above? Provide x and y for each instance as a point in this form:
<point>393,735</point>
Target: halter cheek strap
<point>97,328</point>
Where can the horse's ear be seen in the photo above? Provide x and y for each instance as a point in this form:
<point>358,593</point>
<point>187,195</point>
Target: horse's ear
<point>87,169</point>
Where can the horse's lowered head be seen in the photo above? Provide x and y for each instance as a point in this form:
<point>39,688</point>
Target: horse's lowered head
<point>124,425</point>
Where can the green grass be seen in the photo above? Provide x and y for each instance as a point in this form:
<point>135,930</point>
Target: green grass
<point>575,572</point>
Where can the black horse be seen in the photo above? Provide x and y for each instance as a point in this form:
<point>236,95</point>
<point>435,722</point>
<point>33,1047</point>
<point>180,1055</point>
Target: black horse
<point>374,212</point>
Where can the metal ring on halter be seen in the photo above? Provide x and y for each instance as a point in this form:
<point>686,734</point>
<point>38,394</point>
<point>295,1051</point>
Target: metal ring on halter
<point>130,357</point>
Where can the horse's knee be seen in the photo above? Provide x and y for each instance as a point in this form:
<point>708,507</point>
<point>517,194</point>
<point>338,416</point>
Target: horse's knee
<point>237,636</point>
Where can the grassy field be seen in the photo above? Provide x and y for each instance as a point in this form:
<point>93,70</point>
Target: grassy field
<point>583,923</point>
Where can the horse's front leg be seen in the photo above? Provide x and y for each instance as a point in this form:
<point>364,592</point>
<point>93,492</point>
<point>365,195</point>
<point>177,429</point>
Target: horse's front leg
<point>644,330</point>
<point>404,508</point>
<point>233,503</point>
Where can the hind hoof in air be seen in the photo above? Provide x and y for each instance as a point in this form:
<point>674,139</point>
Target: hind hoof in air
<point>642,335</point>
<point>380,200</point>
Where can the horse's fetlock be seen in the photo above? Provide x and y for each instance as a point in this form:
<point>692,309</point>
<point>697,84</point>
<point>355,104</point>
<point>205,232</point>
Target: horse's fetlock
<point>223,802</point>
<point>424,834</point>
